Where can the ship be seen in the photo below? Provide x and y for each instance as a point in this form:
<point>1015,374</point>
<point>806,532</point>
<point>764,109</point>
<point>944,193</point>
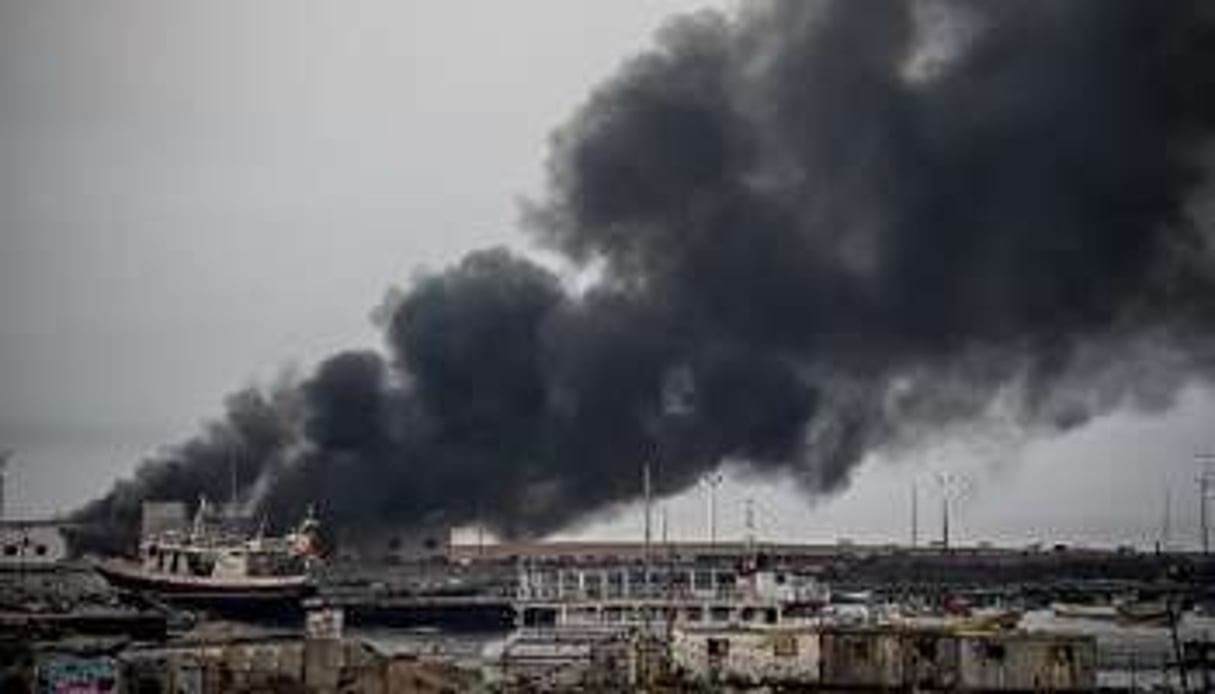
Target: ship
<point>220,570</point>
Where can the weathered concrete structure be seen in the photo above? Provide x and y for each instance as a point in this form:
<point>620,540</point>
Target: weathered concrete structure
<point>747,656</point>
<point>220,664</point>
<point>875,659</point>
<point>29,544</point>
<point>393,544</point>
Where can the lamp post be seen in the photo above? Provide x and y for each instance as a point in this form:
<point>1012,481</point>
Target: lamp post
<point>1205,478</point>
<point>5,455</point>
<point>948,484</point>
<point>711,482</point>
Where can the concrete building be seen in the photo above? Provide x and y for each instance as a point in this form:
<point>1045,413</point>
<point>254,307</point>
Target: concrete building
<point>747,656</point>
<point>392,544</point>
<point>163,517</point>
<point>30,544</point>
<point>884,659</point>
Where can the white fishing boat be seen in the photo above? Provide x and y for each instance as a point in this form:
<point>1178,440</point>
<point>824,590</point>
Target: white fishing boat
<point>221,569</point>
<point>1072,610</point>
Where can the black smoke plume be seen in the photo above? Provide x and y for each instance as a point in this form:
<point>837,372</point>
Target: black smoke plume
<point>817,230</point>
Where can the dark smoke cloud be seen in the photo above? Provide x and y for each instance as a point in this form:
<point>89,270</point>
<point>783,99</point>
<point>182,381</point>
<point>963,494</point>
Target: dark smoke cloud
<point>819,229</point>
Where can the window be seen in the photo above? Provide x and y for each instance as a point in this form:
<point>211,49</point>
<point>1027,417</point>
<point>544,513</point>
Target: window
<point>926,648</point>
<point>785,646</point>
<point>40,550</point>
<point>10,550</point>
<point>1064,655</point>
<point>718,648</point>
<point>993,651</point>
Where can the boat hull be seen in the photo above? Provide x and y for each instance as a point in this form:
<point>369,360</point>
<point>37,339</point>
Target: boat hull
<point>279,597</point>
<point>1078,611</point>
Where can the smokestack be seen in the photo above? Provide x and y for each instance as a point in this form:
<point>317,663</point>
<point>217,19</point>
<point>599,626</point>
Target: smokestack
<point>838,227</point>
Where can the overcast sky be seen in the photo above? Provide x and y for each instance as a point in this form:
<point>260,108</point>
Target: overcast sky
<point>197,195</point>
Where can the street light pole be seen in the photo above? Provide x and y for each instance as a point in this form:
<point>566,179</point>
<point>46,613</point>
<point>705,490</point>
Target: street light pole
<point>711,481</point>
<point>947,483</point>
<point>4,458</point>
<point>1205,478</point>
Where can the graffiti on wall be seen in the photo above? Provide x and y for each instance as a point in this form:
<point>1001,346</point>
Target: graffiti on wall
<point>77,675</point>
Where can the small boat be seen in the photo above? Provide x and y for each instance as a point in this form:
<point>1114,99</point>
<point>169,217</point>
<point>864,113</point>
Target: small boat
<point>995,619</point>
<point>1148,612</point>
<point>1072,610</point>
<point>242,576</point>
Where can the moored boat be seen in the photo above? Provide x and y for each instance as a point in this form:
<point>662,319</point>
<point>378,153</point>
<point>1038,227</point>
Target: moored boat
<point>221,571</point>
<point>1073,610</point>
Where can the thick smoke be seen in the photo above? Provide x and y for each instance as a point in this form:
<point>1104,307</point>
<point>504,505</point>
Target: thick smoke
<point>818,229</point>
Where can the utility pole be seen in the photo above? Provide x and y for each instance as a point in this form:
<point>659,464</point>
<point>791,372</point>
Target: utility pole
<point>749,518</point>
<point>712,481</point>
<point>5,455</point>
<point>947,483</point>
<point>645,485</point>
<point>662,516</point>
<point>915,515</point>
<point>1166,523</point>
<point>1205,479</point>
<point>231,490</point>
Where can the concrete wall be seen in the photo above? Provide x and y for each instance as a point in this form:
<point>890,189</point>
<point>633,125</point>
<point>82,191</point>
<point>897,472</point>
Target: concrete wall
<point>747,656</point>
<point>862,658</point>
<point>393,544</point>
<point>284,665</point>
<point>1027,662</point>
<point>884,658</point>
<point>31,544</point>
<point>77,674</point>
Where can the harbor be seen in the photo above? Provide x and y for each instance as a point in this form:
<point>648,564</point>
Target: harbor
<point>746,616</point>
<point>742,346</point>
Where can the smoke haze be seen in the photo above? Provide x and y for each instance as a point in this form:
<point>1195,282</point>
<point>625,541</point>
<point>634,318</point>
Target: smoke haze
<point>816,230</point>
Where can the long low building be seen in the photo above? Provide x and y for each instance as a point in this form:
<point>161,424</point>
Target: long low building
<point>886,659</point>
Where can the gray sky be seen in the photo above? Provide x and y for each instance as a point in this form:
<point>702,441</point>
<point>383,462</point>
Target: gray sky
<point>196,195</point>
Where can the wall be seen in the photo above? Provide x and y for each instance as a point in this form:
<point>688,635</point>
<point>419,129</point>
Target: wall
<point>747,656</point>
<point>1027,662</point>
<point>31,544</point>
<point>393,544</point>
